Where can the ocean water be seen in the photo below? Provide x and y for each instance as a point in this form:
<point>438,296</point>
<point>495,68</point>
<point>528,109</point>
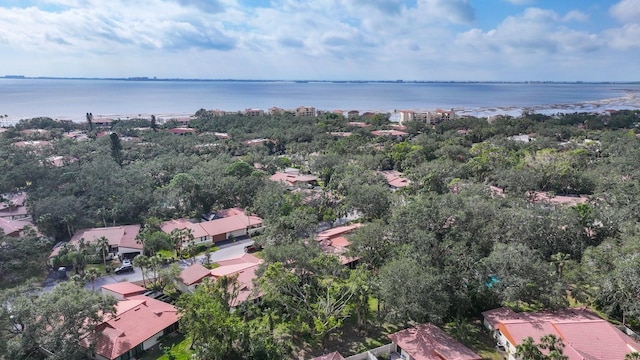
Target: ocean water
<point>72,99</point>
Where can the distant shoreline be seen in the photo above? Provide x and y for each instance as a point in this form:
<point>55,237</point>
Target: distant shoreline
<point>631,101</point>
<point>373,81</point>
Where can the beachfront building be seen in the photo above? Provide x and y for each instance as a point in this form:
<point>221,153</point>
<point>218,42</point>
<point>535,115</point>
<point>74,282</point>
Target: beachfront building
<point>253,112</point>
<point>305,111</point>
<point>428,117</point>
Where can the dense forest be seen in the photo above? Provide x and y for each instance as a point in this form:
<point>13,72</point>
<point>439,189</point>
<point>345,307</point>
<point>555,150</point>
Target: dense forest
<point>474,229</point>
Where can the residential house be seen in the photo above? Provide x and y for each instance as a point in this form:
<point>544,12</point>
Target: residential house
<point>353,114</point>
<point>14,206</point>
<point>332,356</point>
<point>137,326</point>
<point>395,179</point>
<point>421,342</point>
<point>15,228</point>
<point>334,241</point>
<point>226,224</point>
<point>181,131</point>
<point>244,267</point>
<point>584,334</point>
<point>396,133</point>
<point>122,290</point>
<point>122,240</point>
<point>429,342</point>
<point>292,177</point>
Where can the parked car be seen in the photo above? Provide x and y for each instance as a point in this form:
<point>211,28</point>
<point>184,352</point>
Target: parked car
<point>126,262</point>
<point>123,269</point>
<point>252,248</point>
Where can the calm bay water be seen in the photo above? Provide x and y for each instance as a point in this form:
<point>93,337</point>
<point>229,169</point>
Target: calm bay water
<point>71,99</point>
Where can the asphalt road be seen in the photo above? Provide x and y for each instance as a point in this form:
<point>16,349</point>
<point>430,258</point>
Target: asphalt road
<point>225,251</point>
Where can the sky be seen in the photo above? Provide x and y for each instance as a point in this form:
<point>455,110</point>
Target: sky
<point>430,40</point>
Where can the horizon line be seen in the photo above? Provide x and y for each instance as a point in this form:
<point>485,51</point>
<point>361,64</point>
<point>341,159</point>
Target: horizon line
<point>399,81</point>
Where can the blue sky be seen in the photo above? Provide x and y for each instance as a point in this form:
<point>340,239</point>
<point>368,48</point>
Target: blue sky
<point>511,40</point>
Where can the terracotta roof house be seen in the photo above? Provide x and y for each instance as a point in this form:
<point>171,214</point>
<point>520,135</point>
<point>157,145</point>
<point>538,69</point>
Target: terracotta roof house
<point>334,241</point>
<point>227,223</point>
<point>181,131</point>
<point>243,266</point>
<point>123,290</point>
<point>13,208</point>
<point>332,356</point>
<point>396,133</point>
<point>395,179</point>
<point>429,342</point>
<point>139,323</point>
<point>294,179</point>
<point>14,228</point>
<point>191,276</point>
<point>122,240</point>
<point>584,334</point>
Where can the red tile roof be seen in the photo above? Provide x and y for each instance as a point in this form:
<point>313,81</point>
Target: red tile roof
<point>13,227</point>
<point>137,319</point>
<point>584,334</point>
<point>230,224</point>
<point>292,179</point>
<point>394,178</point>
<point>337,231</point>
<point>194,274</point>
<point>125,288</point>
<point>332,356</point>
<point>428,342</point>
<point>121,236</point>
<point>196,229</point>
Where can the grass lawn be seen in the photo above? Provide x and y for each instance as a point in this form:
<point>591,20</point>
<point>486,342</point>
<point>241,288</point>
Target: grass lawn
<point>178,348</point>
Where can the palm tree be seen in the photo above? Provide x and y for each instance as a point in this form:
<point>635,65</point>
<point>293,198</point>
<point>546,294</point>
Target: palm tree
<point>91,275</point>
<point>141,261</point>
<point>179,237</point>
<point>103,245</point>
<point>155,262</point>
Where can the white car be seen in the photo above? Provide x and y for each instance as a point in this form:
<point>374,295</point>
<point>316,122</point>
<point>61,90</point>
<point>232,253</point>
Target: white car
<point>126,262</point>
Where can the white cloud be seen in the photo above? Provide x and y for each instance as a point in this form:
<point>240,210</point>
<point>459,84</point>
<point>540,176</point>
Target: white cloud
<point>576,15</point>
<point>626,11</point>
<point>625,38</point>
